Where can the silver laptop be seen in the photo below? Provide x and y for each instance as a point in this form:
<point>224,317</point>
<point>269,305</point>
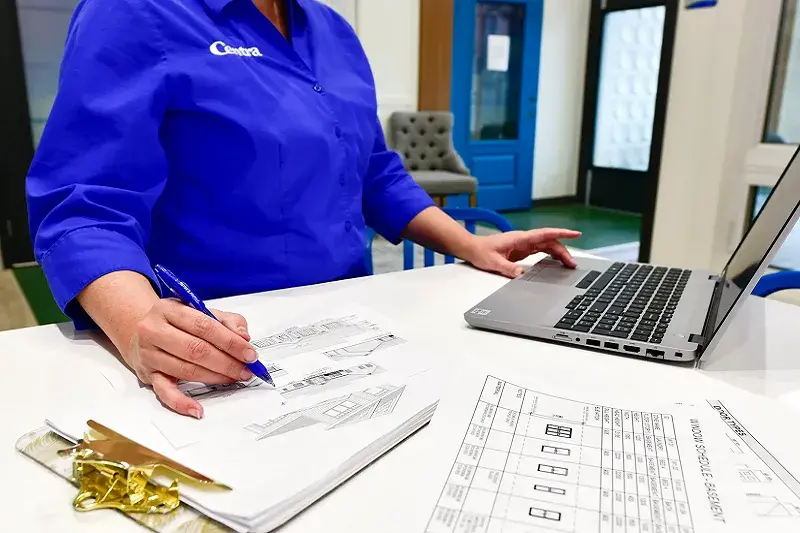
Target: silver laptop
<point>639,309</point>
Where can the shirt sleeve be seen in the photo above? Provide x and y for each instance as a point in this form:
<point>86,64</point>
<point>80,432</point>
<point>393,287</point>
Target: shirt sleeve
<point>99,167</point>
<point>391,196</point>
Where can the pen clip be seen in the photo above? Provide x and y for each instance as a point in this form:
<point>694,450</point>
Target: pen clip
<point>180,290</point>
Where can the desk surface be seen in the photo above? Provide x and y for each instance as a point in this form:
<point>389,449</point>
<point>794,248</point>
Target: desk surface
<point>42,364</point>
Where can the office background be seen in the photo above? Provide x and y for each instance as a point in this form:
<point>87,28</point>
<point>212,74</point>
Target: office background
<point>724,82</point>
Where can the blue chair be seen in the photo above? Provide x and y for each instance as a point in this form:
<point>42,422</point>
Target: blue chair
<point>777,281</point>
<point>471,217</point>
<point>370,236</point>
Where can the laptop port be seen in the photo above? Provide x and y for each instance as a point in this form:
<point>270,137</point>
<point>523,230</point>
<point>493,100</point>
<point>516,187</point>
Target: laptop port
<point>611,345</point>
<point>632,349</point>
<point>679,355</point>
<point>655,353</point>
<point>592,342</point>
<point>562,337</point>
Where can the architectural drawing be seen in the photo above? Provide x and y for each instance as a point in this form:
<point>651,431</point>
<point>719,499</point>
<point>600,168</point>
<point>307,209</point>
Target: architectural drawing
<point>531,461</point>
<point>202,392</point>
<point>326,333</point>
<point>329,380</point>
<point>344,410</point>
<point>365,348</point>
<point>554,430</point>
<point>772,506</point>
<point>748,474</point>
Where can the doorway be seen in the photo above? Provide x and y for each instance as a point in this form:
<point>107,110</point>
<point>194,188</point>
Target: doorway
<point>627,83</point>
<point>495,79</point>
<point>16,140</point>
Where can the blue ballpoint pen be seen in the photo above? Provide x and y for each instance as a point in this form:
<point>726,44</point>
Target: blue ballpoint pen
<point>183,293</point>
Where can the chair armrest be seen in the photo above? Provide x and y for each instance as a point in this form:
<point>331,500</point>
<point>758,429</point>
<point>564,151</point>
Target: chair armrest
<point>454,163</point>
<point>778,281</point>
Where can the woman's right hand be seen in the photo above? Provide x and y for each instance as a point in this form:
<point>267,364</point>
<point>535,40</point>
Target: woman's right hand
<point>175,342</point>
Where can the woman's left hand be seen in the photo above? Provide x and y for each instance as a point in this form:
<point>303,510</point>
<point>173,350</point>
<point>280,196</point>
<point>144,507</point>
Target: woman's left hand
<point>499,253</point>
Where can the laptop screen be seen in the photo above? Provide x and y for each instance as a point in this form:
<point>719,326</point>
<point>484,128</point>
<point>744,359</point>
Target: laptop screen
<point>762,239</point>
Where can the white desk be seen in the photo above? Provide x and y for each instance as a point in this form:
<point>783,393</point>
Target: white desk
<point>39,365</point>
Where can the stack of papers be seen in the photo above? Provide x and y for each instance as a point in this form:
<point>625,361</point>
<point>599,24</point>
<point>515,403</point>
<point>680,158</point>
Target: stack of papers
<point>348,389</point>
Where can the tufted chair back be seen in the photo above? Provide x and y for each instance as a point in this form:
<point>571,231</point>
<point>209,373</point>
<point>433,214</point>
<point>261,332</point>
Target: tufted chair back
<point>424,139</point>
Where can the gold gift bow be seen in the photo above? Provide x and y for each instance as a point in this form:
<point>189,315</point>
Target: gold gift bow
<point>113,472</point>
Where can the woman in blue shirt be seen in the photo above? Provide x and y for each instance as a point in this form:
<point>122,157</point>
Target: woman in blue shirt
<point>237,142</point>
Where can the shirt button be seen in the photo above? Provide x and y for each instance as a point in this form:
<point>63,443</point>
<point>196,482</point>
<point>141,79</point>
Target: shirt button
<point>318,87</point>
<point>348,226</point>
<point>341,179</point>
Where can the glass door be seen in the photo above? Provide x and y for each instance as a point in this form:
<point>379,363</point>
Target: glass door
<point>495,83</point>
<point>32,35</point>
<point>627,84</point>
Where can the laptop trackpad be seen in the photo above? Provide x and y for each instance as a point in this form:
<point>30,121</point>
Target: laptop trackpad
<point>554,273</point>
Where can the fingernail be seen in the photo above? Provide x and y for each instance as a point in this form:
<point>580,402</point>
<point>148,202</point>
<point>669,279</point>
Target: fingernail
<point>195,412</point>
<point>241,329</point>
<point>246,375</point>
<point>250,355</point>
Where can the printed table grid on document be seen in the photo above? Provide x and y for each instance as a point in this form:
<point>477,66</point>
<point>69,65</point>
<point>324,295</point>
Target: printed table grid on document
<point>532,462</point>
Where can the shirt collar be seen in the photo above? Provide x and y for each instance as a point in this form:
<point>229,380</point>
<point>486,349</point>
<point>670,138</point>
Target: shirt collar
<point>218,5</point>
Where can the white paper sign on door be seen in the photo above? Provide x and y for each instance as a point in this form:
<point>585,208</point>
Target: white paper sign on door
<point>498,50</point>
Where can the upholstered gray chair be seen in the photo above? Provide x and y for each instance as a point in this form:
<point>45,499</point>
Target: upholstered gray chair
<point>424,139</point>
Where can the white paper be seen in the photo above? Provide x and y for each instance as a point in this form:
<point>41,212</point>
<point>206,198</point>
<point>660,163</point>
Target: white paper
<point>514,458</point>
<point>275,477</point>
<point>324,357</point>
<point>348,389</point>
<point>498,51</point>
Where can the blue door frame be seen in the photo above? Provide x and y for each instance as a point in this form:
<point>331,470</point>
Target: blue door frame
<point>503,167</point>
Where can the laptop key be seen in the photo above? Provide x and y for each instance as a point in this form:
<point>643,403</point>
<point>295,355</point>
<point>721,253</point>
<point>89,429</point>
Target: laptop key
<point>621,334</point>
<point>574,303</point>
<point>641,338</point>
<point>564,325</point>
<point>573,314</point>
<point>581,328</point>
<point>588,279</point>
<point>599,307</point>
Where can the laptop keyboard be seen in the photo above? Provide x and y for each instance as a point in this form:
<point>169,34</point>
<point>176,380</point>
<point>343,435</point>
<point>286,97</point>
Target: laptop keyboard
<point>627,301</point>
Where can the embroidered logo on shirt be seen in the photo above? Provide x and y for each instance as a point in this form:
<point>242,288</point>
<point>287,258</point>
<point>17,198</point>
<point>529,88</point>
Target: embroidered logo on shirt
<point>219,48</point>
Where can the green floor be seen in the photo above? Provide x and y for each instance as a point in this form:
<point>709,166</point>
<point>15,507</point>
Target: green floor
<point>34,285</point>
<point>600,228</point>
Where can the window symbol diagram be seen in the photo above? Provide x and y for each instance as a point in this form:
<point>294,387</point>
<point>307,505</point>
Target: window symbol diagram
<point>557,470</point>
<point>555,450</point>
<point>551,490</point>
<point>535,512</point>
<point>554,430</point>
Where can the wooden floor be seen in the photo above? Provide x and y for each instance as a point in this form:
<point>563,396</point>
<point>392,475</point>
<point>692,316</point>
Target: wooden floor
<point>14,309</point>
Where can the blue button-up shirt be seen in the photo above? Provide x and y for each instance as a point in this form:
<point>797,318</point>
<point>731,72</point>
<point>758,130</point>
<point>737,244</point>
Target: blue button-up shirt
<point>192,133</point>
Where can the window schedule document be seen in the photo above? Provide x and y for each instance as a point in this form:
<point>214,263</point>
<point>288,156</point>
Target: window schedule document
<point>523,460</point>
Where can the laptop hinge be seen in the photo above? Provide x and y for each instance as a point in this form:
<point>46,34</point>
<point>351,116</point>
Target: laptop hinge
<point>697,339</point>
<point>711,315</point>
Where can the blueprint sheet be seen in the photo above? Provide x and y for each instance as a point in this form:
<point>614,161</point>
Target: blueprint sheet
<point>518,459</point>
<point>329,368</point>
